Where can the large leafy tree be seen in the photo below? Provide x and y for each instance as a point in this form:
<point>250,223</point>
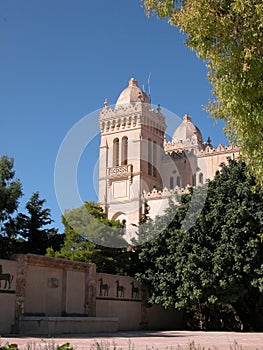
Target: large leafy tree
<point>91,237</point>
<point>34,228</point>
<point>10,193</point>
<point>214,270</point>
<point>228,35</point>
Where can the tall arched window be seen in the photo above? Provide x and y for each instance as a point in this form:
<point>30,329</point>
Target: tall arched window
<point>150,156</point>
<point>116,146</point>
<point>154,158</point>
<point>194,179</point>
<point>124,150</point>
<point>171,183</point>
<point>178,181</point>
<point>201,178</point>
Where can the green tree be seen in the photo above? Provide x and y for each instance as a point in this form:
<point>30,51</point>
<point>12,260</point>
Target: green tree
<point>91,237</point>
<point>228,35</point>
<point>10,193</point>
<point>214,270</point>
<point>32,227</point>
<point>90,223</point>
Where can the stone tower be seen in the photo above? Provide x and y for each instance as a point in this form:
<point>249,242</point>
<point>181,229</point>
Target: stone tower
<point>132,137</point>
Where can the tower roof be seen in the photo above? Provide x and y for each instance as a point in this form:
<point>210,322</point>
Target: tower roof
<point>132,94</point>
<point>186,130</point>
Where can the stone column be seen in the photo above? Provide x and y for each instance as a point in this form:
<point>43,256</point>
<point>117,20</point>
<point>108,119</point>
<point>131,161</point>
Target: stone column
<point>64,293</point>
<point>90,291</point>
<point>20,289</point>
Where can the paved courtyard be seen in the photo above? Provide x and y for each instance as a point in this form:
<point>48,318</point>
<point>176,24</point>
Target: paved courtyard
<point>150,340</point>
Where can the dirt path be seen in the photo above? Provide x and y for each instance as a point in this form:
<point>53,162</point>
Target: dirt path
<point>152,340</point>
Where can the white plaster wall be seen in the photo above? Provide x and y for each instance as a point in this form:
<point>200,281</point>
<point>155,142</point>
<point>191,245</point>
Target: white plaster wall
<point>157,206</point>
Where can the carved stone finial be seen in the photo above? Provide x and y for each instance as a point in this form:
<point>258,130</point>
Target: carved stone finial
<point>133,82</point>
<point>159,108</point>
<point>209,141</point>
<point>106,103</point>
<point>186,118</point>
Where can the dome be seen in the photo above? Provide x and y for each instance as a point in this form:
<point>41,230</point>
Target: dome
<point>132,94</point>
<point>187,131</point>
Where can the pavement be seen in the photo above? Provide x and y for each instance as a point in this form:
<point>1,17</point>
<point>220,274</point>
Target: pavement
<point>146,340</point>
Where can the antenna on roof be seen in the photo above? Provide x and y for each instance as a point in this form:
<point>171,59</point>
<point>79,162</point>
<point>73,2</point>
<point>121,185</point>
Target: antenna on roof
<point>148,87</point>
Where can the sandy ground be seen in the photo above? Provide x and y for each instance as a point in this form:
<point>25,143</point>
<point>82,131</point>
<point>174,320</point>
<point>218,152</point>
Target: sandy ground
<point>147,340</point>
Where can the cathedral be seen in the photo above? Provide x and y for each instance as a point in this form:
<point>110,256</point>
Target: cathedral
<point>138,164</point>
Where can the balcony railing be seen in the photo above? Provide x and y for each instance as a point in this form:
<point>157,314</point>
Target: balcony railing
<point>120,172</point>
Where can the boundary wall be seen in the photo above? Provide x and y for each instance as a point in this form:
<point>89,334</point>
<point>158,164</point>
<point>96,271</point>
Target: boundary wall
<point>46,296</point>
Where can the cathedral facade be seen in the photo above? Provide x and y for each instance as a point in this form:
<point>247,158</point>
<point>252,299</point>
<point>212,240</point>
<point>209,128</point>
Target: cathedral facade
<point>138,164</point>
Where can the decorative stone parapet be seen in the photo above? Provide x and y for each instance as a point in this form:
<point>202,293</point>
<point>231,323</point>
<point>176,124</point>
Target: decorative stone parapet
<point>190,145</point>
<point>121,171</point>
<point>131,115</point>
<point>179,145</point>
<point>220,149</point>
<point>154,194</point>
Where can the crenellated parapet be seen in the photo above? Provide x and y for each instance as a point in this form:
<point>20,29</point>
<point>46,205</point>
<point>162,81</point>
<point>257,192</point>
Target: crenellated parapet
<point>131,115</point>
<point>180,148</point>
<point>165,193</point>
<point>180,145</point>
<point>220,149</point>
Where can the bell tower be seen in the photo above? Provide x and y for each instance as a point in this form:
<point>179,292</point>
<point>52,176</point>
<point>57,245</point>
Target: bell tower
<point>132,136</point>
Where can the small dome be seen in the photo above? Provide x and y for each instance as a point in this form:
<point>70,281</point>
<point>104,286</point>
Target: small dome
<point>132,94</point>
<point>186,131</point>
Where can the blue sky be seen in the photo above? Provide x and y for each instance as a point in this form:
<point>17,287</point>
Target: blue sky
<point>60,59</point>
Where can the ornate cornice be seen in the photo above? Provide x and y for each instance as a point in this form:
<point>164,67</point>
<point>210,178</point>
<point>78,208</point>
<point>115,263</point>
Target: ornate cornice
<point>131,116</point>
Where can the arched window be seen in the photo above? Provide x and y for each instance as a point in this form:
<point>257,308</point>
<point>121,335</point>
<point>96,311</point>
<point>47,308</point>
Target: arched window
<point>124,225</point>
<point>201,178</point>
<point>178,181</point>
<point>154,158</point>
<point>116,146</point>
<point>171,183</point>
<point>194,179</point>
<point>124,150</point>
<point>150,156</point>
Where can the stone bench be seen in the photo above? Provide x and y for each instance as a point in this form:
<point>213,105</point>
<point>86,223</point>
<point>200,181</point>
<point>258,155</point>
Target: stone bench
<point>50,325</point>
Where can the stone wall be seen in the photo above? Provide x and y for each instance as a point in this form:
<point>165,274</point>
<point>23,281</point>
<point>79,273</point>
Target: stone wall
<point>8,271</point>
<point>123,297</point>
<point>47,296</point>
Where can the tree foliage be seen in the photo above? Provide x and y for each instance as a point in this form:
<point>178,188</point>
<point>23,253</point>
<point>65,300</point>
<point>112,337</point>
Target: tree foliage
<point>228,35</point>
<point>22,233</point>
<point>214,270</point>
<point>91,237</point>
<point>10,189</point>
<point>34,228</point>
<point>10,193</point>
